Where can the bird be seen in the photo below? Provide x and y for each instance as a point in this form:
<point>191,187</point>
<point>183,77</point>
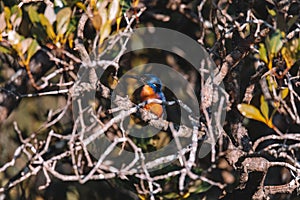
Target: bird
<point>152,90</point>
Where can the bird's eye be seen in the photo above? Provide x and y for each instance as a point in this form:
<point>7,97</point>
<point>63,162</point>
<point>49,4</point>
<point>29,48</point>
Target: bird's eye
<point>156,85</point>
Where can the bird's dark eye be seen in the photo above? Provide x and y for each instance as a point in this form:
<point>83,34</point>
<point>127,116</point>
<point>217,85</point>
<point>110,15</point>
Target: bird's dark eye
<point>156,85</point>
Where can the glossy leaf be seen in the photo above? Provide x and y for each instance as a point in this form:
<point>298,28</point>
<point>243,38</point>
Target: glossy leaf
<point>49,28</point>
<point>13,37</point>
<point>33,14</point>
<point>96,20</point>
<point>33,48</point>
<point>118,21</point>
<point>4,50</point>
<point>125,5</point>
<point>25,45</point>
<point>70,34</point>
<point>7,15</point>
<point>81,6</point>
<point>292,21</point>
<point>264,107</point>
<point>284,93</point>
<point>172,195</point>
<point>104,15</point>
<point>63,20</point>
<point>287,56</point>
<point>93,4</point>
<point>2,22</point>
<point>199,187</point>
<point>263,53</point>
<point>272,12</point>
<point>274,43</point>
<point>105,31</point>
<point>16,17</point>
<point>50,14</point>
<point>271,83</point>
<point>113,10</point>
<point>251,112</point>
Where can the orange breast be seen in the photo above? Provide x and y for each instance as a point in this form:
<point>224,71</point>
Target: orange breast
<point>155,108</point>
<point>148,93</point>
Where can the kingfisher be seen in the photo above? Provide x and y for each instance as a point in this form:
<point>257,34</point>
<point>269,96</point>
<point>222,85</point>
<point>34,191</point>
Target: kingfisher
<point>152,89</point>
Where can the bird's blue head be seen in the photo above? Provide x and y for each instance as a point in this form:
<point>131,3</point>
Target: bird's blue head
<point>155,83</point>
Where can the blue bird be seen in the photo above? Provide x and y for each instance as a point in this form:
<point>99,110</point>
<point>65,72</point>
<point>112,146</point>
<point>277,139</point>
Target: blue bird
<point>152,89</point>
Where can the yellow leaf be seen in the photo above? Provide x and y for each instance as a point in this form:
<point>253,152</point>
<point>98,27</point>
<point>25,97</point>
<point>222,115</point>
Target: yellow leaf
<point>49,28</point>
<point>93,4</point>
<point>142,197</point>
<point>264,107</point>
<point>272,83</point>
<point>33,48</point>
<point>287,56</point>
<point>275,42</point>
<point>186,195</point>
<point>103,13</point>
<point>284,93</point>
<point>33,14</point>
<point>7,15</point>
<point>96,20</point>
<point>105,31</point>
<point>251,112</point>
<point>81,6</point>
<point>63,20</point>
<point>271,12</point>
<point>118,23</point>
<point>263,53</point>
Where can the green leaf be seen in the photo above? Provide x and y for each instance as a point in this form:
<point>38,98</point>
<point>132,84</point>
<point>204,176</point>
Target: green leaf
<point>49,28</point>
<point>199,187</point>
<point>171,195</point>
<point>125,5</point>
<point>271,82</point>
<point>16,17</point>
<point>33,48</point>
<point>263,53</point>
<point>251,112</point>
<point>274,43</point>
<point>33,14</point>
<point>4,50</point>
<point>264,107</point>
<point>292,21</point>
<point>63,20</point>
